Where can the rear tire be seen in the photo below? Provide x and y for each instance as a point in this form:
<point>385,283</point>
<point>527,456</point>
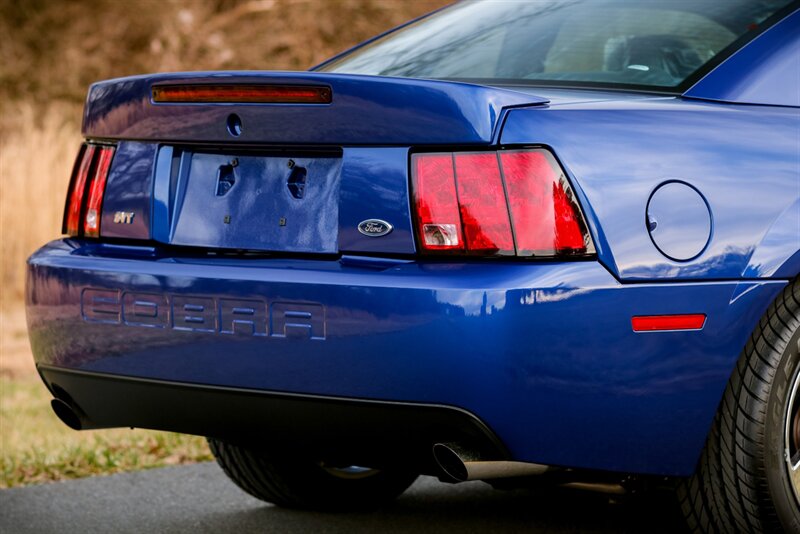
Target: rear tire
<point>295,482</point>
<point>748,477</point>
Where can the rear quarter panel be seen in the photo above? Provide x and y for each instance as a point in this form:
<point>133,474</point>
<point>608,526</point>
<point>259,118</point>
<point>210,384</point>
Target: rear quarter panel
<point>745,160</point>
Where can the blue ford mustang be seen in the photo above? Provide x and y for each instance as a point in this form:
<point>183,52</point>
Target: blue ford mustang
<point>554,241</point>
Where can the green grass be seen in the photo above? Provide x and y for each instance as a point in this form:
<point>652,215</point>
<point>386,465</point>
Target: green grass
<point>36,447</point>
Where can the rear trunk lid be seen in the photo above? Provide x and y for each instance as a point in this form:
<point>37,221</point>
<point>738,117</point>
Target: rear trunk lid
<point>364,110</point>
<point>280,177</point>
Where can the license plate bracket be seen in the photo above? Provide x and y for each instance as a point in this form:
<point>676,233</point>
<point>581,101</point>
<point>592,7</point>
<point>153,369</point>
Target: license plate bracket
<point>250,201</point>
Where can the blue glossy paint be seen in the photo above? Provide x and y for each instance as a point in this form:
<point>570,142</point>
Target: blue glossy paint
<point>252,201</point>
<point>770,257</point>
<point>366,110</point>
<point>767,71</point>
<point>167,164</point>
<point>678,220</point>
<point>742,159</point>
<point>586,392</point>
<point>384,173</point>
<point>129,189</point>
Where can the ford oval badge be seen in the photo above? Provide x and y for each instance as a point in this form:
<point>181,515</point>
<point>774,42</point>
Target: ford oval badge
<point>374,227</point>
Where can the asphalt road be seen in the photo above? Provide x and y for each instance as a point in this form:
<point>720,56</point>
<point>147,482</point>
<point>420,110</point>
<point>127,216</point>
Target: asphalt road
<point>199,498</point>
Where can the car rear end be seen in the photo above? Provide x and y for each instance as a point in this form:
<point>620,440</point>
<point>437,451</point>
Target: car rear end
<point>358,266</point>
<point>314,244</point>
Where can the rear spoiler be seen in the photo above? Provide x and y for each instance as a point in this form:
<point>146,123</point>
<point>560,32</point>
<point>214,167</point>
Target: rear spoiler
<point>363,110</point>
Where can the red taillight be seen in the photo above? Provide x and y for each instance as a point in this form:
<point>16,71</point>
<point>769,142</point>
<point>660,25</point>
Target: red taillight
<point>654,323</point>
<point>484,213</point>
<point>546,215</point>
<point>87,187</point>
<point>437,213</point>
<point>511,202</point>
<point>242,94</point>
<point>97,188</point>
<point>72,219</point>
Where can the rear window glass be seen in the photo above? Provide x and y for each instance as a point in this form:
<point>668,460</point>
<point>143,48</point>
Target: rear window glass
<point>646,43</point>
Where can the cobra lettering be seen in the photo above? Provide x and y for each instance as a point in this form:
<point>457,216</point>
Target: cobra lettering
<point>207,314</point>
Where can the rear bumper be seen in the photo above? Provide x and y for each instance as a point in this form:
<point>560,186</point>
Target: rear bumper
<point>347,430</point>
<point>542,353</point>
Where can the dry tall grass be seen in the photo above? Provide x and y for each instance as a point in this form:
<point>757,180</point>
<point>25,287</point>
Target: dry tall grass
<point>36,155</point>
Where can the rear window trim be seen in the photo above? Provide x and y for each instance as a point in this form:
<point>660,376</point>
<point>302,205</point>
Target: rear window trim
<point>574,85</point>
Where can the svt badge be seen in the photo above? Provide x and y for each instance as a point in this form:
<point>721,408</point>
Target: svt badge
<point>123,217</point>
<point>374,227</point>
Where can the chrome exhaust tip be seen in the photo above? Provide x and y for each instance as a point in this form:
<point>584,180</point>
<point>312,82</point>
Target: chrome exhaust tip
<point>461,465</point>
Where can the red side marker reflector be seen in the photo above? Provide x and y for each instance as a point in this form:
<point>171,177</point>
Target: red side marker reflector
<point>655,323</point>
<point>242,94</point>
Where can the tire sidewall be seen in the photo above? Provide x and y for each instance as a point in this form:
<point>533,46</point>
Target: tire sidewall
<point>778,481</point>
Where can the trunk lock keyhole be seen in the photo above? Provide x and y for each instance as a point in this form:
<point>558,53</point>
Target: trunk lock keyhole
<point>234,125</point>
